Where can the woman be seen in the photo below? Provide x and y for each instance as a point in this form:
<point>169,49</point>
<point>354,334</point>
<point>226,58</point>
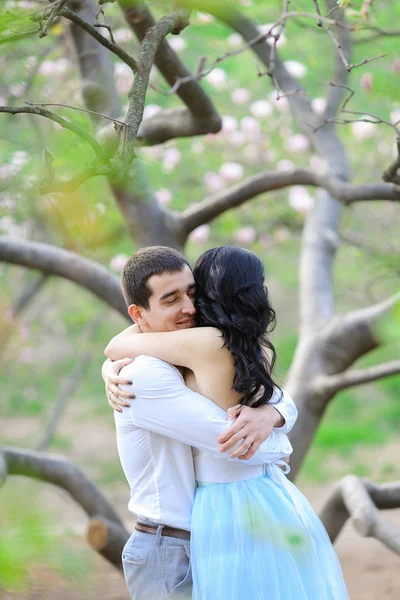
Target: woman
<point>259,538</point>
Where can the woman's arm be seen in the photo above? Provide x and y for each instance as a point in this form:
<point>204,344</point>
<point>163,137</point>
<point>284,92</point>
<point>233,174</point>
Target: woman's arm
<point>185,347</point>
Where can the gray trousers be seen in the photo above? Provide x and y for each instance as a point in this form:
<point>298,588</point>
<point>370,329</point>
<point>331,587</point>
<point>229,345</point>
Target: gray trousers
<point>157,567</point>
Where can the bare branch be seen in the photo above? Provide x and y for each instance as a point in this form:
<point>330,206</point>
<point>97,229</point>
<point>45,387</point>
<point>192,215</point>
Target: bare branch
<point>349,337</point>
<point>114,48</point>
<point>59,471</point>
<point>36,110</point>
<point>64,263</point>
<point>331,384</point>
<point>347,193</point>
<point>107,538</point>
<point>360,499</point>
<point>201,114</point>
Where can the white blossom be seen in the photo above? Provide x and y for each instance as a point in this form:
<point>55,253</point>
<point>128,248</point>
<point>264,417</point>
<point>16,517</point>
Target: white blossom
<point>240,96</point>
<point>231,171</point>
<point>363,130</point>
<point>217,78</point>
<point>295,68</point>
<point>171,158</point>
<point>235,39</point>
<point>118,262</point>
<point>164,196</point>
<point>150,110</point>
<point>213,181</point>
<point>300,199</point>
<point>261,109</point>
<point>319,105</point>
<point>123,35</point>
<point>297,143</point>
<point>229,124</point>
<point>177,43</point>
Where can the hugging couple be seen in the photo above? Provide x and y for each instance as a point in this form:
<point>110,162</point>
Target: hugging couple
<point>204,437</point>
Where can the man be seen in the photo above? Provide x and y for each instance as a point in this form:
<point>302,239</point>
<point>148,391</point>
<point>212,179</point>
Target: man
<point>155,434</point>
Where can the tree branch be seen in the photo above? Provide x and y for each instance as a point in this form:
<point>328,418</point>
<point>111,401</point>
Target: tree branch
<point>56,261</point>
<point>201,116</point>
<point>347,193</point>
<point>137,94</point>
<point>349,337</point>
<point>360,499</point>
<point>36,110</point>
<point>114,48</point>
<point>331,384</point>
<point>59,471</point>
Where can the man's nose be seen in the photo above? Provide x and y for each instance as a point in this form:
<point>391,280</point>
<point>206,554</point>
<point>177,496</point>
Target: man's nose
<point>188,307</point>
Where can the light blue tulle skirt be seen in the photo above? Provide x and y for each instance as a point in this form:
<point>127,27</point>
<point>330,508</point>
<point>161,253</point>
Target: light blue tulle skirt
<point>261,540</point>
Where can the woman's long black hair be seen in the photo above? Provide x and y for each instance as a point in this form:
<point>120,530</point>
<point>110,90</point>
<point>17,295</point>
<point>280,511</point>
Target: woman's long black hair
<point>231,296</point>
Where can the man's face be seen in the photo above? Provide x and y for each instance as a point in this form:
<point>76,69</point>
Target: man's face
<point>171,304</point>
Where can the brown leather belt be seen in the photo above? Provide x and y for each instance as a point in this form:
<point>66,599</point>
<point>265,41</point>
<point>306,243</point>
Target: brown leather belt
<point>182,534</point>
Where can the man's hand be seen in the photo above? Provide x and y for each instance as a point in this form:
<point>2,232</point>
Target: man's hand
<point>253,425</point>
<point>110,373</point>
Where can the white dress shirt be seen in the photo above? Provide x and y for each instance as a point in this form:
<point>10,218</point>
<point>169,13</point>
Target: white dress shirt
<point>156,434</point>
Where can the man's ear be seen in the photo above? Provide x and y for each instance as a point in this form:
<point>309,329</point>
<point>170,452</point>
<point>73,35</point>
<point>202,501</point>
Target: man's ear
<point>137,314</point>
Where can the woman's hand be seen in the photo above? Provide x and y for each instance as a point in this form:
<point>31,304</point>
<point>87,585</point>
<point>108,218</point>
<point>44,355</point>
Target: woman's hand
<point>110,373</point>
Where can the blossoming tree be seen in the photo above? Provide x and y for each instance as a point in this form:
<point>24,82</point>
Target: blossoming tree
<point>115,91</point>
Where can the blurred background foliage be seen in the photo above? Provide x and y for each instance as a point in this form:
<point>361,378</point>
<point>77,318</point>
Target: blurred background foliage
<point>43,346</point>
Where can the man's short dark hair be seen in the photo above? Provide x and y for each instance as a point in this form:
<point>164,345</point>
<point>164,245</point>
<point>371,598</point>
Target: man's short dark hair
<point>146,262</point>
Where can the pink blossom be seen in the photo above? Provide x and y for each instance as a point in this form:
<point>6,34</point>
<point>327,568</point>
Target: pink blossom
<point>213,181</point>
<point>318,164</point>
<point>295,68</point>
<point>261,109</point>
<point>363,129</point>
<point>281,103</point>
<point>217,78</point>
<point>240,96</point>
<point>282,234</point>
<point>396,66</point>
<point>26,355</point>
<point>297,143</point>
<point>235,39</point>
<point>150,110</point>
<point>245,235</point>
<point>237,139</point>
<point>197,147</point>
<point>231,171</point>
<point>200,235</point>
<point>252,152</point>
<point>164,196</point>
<point>56,67</point>
<point>319,105</point>
<point>285,165</point>
<point>229,124</point>
<point>250,127</point>
<point>171,158</point>
<point>118,262</point>
<point>366,82</point>
<point>273,30</point>
<point>300,199</point>
<point>16,90</point>
<point>123,35</point>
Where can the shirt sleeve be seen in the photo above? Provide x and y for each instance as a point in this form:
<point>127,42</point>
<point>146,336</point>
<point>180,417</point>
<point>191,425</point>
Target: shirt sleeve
<point>164,405</point>
<point>287,408</point>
